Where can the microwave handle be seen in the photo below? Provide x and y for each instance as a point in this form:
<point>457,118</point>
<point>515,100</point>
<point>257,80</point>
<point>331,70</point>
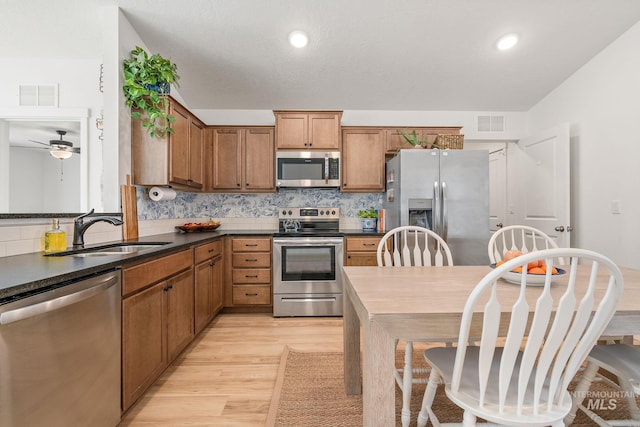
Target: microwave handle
<point>326,168</point>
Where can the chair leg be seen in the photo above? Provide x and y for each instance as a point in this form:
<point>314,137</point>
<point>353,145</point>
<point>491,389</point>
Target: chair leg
<point>580,391</point>
<point>630,395</point>
<point>468,419</point>
<point>427,401</point>
<point>407,384</point>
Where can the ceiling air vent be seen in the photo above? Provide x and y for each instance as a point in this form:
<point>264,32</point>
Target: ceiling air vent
<point>490,123</point>
<point>38,95</point>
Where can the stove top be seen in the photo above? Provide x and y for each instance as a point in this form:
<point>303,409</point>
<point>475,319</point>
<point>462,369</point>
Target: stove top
<point>309,221</point>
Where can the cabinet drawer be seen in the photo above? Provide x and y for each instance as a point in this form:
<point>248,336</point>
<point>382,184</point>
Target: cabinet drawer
<point>362,244</point>
<point>361,259</point>
<point>251,245</point>
<point>252,260</point>
<point>138,277</point>
<point>251,295</point>
<point>252,275</point>
<point>209,250</point>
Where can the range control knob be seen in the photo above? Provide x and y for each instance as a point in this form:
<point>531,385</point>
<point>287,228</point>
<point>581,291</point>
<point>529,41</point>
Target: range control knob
<point>290,213</point>
<point>333,212</point>
<point>321,212</point>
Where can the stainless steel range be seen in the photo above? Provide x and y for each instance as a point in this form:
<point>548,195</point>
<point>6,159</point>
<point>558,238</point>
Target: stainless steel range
<point>307,263</point>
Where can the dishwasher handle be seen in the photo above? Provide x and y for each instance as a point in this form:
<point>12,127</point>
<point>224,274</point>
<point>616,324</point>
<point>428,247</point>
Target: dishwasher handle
<point>95,286</point>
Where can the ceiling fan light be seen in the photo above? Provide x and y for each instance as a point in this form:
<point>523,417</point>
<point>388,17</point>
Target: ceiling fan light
<point>60,154</point>
<point>298,39</point>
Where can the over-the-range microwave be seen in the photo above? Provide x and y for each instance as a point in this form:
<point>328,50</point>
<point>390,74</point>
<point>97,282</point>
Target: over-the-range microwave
<point>307,169</point>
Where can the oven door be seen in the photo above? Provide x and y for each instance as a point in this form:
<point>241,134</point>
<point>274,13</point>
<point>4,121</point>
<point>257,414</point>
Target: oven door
<point>307,265</point>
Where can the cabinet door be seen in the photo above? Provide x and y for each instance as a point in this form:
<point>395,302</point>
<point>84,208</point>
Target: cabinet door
<point>179,147</point>
<point>292,130</point>
<point>196,154</point>
<point>226,174</point>
<point>203,312</point>
<point>324,131</point>
<point>143,342</point>
<point>259,160</point>
<point>359,175</point>
<point>217,284</point>
<point>179,306</point>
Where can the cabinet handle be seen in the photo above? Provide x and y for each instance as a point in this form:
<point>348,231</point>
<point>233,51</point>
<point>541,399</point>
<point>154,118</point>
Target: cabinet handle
<point>349,256</point>
<point>255,276</point>
<point>250,260</point>
<point>250,244</point>
<point>251,295</point>
<point>166,288</point>
<point>238,184</point>
<point>368,244</point>
<point>211,264</point>
<point>211,250</point>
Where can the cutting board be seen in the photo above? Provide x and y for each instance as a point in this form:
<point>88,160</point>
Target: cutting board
<point>129,210</point>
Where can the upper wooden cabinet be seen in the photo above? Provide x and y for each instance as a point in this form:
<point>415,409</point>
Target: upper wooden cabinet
<point>176,160</point>
<point>308,130</point>
<point>395,141</point>
<point>359,175</point>
<point>241,159</point>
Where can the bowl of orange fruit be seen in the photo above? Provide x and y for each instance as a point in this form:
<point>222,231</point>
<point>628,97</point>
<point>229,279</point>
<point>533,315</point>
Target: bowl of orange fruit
<point>536,270</point>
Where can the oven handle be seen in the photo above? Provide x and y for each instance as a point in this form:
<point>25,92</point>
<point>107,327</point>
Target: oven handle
<point>308,299</point>
<point>307,241</point>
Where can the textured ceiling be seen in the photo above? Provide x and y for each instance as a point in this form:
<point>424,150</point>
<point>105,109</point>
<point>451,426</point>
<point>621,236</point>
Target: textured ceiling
<point>363,54</point>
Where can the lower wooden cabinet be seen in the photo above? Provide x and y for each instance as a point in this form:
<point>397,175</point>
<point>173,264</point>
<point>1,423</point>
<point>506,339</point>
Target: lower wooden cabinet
<point>208,274</point>
<point>361,250</point>
<point>249,272</point>
<point>157,319</point>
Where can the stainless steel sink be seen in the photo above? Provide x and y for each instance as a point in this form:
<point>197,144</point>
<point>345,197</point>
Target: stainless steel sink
<point>122,248</point>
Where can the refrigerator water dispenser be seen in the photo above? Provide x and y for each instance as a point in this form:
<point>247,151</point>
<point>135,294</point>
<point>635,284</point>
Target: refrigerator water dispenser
<point>420,212</point>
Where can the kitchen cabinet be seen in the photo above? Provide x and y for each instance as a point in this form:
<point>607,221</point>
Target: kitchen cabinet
<point>308,130</point>
<point>208,283</point>
<point>250,272</point>
<point>177,159</point>
<point>359,175</point>
<point>361,250</point>
<point>395,141</point>
<point>241,159</point>
<point>157,319</point>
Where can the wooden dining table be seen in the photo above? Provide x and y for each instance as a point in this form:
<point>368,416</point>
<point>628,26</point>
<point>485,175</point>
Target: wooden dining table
<point>384,304</point>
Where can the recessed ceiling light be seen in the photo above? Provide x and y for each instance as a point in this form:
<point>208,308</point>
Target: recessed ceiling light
<point>298,39</point>
<point>507,42</point>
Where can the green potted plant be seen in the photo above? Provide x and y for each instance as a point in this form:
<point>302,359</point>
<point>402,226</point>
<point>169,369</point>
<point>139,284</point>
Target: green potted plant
<point>368,219</point>
<point>148,79</point>
<point>415,141</point>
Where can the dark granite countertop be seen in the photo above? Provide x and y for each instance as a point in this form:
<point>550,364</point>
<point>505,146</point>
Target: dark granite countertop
<point>34,272</point>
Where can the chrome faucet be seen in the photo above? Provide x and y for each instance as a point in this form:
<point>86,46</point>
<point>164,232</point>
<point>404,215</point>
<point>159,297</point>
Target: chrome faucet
<point>80,226</point>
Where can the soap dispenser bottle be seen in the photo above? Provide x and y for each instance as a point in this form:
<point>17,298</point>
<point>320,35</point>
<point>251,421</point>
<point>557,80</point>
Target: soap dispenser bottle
<point>55,240</point>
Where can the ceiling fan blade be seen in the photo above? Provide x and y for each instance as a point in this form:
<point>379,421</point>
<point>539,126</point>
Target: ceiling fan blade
<point>38,142</point>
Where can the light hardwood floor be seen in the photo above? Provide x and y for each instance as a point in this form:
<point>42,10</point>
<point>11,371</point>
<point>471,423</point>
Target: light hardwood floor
<point>227,375</point>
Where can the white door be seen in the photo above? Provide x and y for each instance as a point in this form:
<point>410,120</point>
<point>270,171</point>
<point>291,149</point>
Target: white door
<point>497,189</point>
<point>543,187</point>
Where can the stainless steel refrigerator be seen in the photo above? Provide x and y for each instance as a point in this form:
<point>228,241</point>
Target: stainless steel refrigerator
<point>446,191</point>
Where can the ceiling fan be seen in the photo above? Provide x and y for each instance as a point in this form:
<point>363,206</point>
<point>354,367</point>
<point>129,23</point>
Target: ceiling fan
<point>59,148</point>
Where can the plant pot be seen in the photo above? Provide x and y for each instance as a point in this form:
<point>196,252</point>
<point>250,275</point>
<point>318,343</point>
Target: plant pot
<point>163,88</point>
<point>369,224</point>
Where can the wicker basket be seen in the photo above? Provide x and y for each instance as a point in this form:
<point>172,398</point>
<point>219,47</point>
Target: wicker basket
<point>450,141</point>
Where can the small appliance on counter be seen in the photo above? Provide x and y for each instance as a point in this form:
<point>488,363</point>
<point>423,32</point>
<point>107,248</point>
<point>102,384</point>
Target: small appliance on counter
<point>307,262</point>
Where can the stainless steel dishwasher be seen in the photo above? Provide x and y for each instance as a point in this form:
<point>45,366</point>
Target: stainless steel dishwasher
<point>60,355</point>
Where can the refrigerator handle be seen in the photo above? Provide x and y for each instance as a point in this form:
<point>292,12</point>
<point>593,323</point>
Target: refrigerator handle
<point>436,208</point>
<point>445,220</point>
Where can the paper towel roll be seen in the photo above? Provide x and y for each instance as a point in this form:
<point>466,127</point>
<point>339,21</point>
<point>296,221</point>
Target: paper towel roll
<point>158,193</point>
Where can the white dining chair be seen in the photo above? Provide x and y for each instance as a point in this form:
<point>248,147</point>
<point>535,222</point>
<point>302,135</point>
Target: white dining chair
<point>525,381</point>
<point>623,361</point>
<point>518,237</point>
<point>411,246</point>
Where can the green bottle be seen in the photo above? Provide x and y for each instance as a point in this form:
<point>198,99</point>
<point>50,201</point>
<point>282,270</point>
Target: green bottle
<point>55,240</point>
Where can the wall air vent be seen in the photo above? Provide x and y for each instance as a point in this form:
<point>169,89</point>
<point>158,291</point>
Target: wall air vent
<point>38,95</point>
<point>490,123</point>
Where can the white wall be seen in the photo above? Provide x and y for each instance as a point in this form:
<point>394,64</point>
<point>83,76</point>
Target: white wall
<point>602,103</point>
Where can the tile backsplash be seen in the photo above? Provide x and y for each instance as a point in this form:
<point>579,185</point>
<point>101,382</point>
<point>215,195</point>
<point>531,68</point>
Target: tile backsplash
<point>235,211</point>
<point>226,205</point>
